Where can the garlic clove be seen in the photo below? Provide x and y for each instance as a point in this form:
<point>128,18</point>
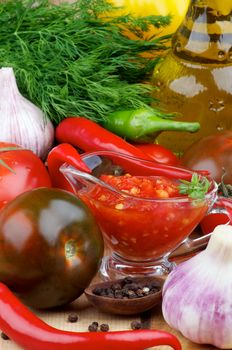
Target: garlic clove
<point>197,293</point>
<point>22,122</point>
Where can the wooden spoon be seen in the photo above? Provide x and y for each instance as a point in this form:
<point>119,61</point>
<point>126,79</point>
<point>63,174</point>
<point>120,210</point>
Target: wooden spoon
<point>125,306</point>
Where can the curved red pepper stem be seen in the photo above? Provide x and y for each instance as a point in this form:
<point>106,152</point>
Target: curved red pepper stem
<point>22,326</point>
<point>64,153</point>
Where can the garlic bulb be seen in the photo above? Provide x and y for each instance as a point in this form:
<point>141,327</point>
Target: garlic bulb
<point>197,295</point>
<point>21,121</point>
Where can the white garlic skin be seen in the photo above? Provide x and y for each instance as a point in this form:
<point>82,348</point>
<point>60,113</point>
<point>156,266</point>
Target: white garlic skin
<point>21,121</point>
<point>197,295</point>
<point>32,133</point>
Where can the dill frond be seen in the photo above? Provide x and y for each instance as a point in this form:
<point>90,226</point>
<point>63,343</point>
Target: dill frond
<point>69,60</point>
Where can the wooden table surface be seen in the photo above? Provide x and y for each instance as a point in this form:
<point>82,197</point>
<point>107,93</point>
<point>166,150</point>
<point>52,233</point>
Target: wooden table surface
<point>86,314</point>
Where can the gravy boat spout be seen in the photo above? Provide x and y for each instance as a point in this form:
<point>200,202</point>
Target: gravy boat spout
<point>80,180</point>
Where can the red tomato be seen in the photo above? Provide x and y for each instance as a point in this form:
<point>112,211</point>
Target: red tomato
<point>212,153</point>
<point>20,170</point>
<point>159,153</point>
<point>217,216</point>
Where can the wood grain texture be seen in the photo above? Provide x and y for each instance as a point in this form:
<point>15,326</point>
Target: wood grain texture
<point>151,319</point>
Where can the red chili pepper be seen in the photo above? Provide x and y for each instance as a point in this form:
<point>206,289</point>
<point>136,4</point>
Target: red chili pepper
<point>217,216</point>
<point>64,153</point>
<point>138,166</point>
<point>89,136</point>
<point>31,333</point>
<point>158,153</point>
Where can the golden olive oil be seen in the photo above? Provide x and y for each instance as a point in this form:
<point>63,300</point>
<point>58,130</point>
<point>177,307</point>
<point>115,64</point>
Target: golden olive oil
<point>195,77</point>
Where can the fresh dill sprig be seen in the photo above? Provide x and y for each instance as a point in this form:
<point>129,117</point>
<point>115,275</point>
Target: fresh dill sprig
<point>73,59</point>
<point>196,188</point>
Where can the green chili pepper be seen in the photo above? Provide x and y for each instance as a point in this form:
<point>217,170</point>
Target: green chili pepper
<point>143,125</point>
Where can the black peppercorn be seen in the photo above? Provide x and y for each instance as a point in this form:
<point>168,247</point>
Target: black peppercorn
<point>128,280</point>
<point>127,288</point>
<point>136,325</point>
<point>104,327</point>
<point>97,291</point>
<point>131,286</point>
<point>118,294</point>
<point>73,317</point>
<point>95,323</point>
<point>116,286</point>
<point>93,327</point>
<point>4,336</point>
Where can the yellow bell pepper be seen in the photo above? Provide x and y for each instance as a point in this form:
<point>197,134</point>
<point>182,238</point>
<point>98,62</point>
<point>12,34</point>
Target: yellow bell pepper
<point>176,8</point>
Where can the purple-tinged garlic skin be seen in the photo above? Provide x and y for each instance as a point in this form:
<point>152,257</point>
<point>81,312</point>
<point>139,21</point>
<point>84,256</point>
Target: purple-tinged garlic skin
<point>197,295</point>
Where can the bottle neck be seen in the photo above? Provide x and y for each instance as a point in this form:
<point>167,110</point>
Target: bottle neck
<point>205,35</point>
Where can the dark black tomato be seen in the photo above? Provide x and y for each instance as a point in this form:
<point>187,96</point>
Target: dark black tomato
<point>51,247</point>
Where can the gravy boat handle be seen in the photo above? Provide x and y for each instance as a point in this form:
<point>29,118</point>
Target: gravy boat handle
<point>191,245</point>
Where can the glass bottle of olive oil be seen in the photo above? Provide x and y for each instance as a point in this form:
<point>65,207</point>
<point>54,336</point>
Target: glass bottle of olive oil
<point>195,77</point>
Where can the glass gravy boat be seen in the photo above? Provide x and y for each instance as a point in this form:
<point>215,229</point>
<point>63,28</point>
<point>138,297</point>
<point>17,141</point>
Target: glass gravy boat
<point>142,234</point>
